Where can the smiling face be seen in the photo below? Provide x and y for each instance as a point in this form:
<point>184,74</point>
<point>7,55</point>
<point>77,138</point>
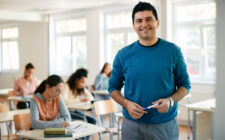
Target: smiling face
<point>145,25</point>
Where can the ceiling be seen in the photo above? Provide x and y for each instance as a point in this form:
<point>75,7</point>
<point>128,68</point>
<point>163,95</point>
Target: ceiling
<point>34,10</point>
<point>53,6</point>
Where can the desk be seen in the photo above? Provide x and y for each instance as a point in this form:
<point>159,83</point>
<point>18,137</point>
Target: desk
<point>102,92</point>
<point>80,106</point>
<point>8,116</point>
<point>207,107</point>
<point>39,134</point>
<point>4,92</point>
<point>19,99</point>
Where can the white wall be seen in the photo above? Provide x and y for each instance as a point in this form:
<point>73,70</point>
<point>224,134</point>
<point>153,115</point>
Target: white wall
<point>219,123</point>
<point>33,47</point>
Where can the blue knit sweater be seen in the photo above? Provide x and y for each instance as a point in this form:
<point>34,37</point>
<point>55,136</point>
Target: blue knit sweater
<point>149,73</point>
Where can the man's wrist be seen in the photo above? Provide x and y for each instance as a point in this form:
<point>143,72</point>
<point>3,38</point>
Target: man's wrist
<point>171,102</point>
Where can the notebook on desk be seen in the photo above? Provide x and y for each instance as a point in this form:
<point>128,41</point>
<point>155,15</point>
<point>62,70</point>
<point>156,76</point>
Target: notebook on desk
<point>76,127</point>
<point>68,134</point>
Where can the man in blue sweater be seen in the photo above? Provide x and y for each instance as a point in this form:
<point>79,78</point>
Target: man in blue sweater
<point>153,72</point>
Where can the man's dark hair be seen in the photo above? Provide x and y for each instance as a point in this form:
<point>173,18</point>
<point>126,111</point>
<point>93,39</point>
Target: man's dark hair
<point>142,6</point>
<point>29,66</point>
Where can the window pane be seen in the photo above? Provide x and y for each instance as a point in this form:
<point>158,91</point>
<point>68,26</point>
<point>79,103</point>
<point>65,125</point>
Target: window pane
<point>196,12</point>
<point>10,55</point>
<point>122,19</point>
<point>10,33</point>
<point>80,52</point>
<point>64,56</point>
<point>71,25</point>
<point>193,60</point>
<point>188,38</point>
<point>132,37</point>
<point>114,43</point>
<point>209,32</point>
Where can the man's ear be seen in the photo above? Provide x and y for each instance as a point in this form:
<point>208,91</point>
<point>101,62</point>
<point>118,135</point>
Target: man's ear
<point>158,22</point>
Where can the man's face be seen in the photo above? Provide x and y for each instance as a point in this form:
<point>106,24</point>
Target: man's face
<point>145,25</point>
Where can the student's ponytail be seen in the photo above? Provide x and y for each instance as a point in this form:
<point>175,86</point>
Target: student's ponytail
<point>41,87</point>
<point>52,81</point>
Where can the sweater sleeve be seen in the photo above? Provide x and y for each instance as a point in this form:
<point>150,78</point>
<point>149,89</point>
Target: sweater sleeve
<point>64,112</point>
<point>37,124</point>
<point>117,79</point>
<point>181,73</point>
<point>99,82</point>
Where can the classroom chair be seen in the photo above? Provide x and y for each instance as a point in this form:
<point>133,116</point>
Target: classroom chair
<point>4,108</point>
<point>22,122</point>
<point>107,108</point>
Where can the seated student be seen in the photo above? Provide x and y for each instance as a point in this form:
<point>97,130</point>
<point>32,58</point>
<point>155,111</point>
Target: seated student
<point>75,92</point>
<point>102,81</point>
<point>47,108</point>
<point>25,85</point>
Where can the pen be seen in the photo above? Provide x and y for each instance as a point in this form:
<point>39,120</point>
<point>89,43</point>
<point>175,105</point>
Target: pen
<point>151,106</point>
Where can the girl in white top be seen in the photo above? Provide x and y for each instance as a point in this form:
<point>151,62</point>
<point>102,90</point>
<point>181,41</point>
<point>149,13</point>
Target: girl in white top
<point>75,92</point>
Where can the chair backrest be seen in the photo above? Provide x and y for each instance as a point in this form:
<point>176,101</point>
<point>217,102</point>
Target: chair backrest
<point>22,121</point>
<point>4,107</point>
<point>10,93</point>
<point>104,107</point>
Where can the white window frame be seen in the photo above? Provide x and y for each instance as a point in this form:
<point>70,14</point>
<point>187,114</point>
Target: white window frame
<point>203,77</point>
<point>2,27</point>
<point>53,39</point>
<point>123,30</point>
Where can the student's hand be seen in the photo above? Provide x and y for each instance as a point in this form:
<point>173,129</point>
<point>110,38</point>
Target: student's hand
<point>84,100</point>
<point>135,110</point>
<point>65,124</point>
<point>163,107</point>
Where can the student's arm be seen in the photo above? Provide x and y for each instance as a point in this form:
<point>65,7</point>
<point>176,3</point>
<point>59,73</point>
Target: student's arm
<point>16,88</point>
<point>35,120</point>
<point>64,112</point>
<point>89,95</point>
<point>99,82</point>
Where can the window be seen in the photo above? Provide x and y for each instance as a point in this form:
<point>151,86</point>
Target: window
<point>70,46</point>
<point>119,32</point>
<point>9,49</point>
<point>194,31</point>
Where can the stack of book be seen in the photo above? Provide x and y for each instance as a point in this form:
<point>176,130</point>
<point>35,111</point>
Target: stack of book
<point>56,132</point>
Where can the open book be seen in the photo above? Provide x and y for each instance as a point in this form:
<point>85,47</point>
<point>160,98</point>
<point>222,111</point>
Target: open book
<point>76,127</point>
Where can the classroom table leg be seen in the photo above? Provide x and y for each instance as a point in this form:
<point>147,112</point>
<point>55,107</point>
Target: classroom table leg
<point>194,125</point>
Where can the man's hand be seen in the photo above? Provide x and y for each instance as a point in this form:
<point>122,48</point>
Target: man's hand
<point>135,110</point>
<point>163,107</point>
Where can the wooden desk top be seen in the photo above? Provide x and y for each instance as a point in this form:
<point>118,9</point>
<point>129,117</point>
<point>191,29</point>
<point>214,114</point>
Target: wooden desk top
<point>4,92</point>
<point>19,98</point>
<point>8,116</point>
<point>80,106</point>
<point>89,130</point>
<point>207,105</point>
<point>104,92</point>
